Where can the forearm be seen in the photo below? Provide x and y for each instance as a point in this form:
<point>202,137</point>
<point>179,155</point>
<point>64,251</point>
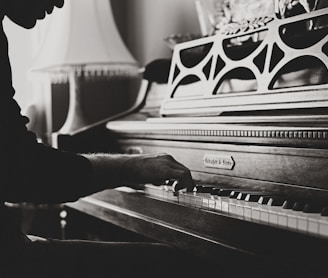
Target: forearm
<point>109,170</point>
<point>112,170</point>
<point>45,175</point>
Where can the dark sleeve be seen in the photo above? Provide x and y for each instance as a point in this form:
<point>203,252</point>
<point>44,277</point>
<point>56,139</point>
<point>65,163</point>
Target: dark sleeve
<point>33,172</point>
<point>30,171</point>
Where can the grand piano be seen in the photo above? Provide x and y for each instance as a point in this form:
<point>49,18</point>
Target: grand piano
<point>247,112</point>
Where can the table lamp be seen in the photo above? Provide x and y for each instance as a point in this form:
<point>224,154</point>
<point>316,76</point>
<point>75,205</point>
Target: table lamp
<point>81,42</point>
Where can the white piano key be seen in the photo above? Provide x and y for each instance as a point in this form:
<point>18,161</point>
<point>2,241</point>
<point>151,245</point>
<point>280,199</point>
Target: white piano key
<point>323,226</point>
<point>302,223</point>
<point>248,208</point>
<point>313,226</point>
<point>318,225</point>
<point>205,202</point>
<point>193,199</point>
<point>287,218</point>
<point>282,219</point>
<point>240,209</point>
<point>273,218</point>
<point>165,194</point>
<point>256,213</point>
<point>190,199</point>
<point>159,192</point>
<point>264,214</point>
<point>232,207</point>
<point>247,212</point>
<point>169,195</point>
<point>211,203</point>
<point>291,220</point>
<point>278,216</point>
<point>198,201</point>
<point>218,204</point>
<point>274,213</point>
<point>225,205</point>
<point>186,199</point>
<point>182,199</point>
<point>154,191</point>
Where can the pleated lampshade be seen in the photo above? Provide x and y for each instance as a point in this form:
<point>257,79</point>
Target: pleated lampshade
<point>81,41</point>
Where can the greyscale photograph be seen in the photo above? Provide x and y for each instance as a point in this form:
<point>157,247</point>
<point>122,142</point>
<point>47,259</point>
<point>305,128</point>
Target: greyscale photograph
<point>164,138</point>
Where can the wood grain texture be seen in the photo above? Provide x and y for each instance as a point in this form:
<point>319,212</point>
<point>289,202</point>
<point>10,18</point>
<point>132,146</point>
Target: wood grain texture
<point>297,167</point>
<point>210,235</point>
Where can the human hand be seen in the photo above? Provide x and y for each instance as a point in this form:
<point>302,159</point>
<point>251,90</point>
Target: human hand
<point>112,170</point>
<point>156,169</point>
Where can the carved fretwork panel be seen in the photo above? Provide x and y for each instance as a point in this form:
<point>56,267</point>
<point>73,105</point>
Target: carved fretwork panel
<point>274,64</point>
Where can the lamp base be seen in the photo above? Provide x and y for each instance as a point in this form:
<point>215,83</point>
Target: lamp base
<point>75,117</point>
<point>78,116</point>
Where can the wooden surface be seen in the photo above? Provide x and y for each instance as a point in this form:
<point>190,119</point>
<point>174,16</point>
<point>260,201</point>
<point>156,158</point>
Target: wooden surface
<point>213,236</point>
<point>274,135</point>
<point>294,168</point>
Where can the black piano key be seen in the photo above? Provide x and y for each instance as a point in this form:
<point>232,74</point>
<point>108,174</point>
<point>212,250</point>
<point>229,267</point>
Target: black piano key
<point>313,207</point>
<point>255,196</point>
<point>169,182</point>
<point>204,188</point>
<point>263,200</point>
<point>288,204</point>
<point>276,201</point>
<point>242,195</point>
<point>207,189</point>
<point>224,192</point>
<point>215,191</point>
<point>247,194</point>
<point>324,211</point>
<point>252,197</point>
<point>299,205</point>
<point>234,194</point>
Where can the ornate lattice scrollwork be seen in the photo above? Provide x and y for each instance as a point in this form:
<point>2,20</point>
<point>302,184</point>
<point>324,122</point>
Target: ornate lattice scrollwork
<point>281,64</point>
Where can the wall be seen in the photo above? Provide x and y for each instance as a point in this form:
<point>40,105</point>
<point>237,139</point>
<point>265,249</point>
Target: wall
<point>30,87</point>
<point>20,53</point>
<point>145,23</point>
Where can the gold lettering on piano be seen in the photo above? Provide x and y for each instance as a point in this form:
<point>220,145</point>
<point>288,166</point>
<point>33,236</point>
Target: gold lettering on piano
<point>218,161</point>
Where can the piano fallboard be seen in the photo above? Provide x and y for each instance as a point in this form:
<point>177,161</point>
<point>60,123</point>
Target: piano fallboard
<point>301,171</point>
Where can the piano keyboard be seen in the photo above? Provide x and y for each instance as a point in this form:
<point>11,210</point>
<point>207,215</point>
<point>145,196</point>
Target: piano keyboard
<point>304,216</point>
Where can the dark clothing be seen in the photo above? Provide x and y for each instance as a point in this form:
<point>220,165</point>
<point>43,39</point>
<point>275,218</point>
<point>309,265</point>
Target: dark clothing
<point>31,172</point>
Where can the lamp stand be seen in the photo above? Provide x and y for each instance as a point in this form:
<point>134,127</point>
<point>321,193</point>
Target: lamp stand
<point>75,117</point>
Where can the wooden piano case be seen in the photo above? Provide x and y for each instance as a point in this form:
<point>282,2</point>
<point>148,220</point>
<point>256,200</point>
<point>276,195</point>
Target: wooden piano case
<point>244,110</point>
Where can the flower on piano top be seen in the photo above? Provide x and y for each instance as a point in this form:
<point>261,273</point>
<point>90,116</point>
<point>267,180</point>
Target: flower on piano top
<point>287,8</point>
